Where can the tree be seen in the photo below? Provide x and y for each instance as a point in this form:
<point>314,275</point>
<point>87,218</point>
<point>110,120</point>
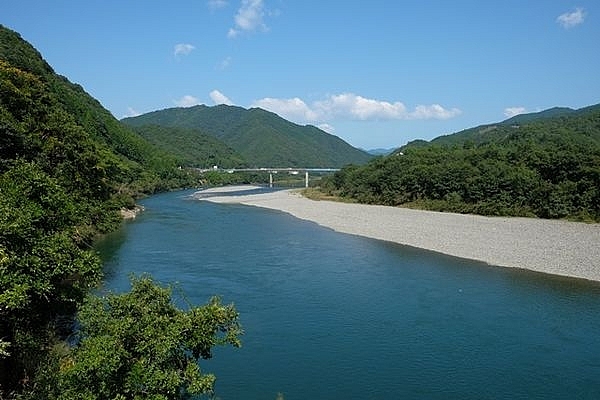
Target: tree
<point>548,168</point>
<point>43,272</point>
<point>66,168</point>
<point>139,345</point>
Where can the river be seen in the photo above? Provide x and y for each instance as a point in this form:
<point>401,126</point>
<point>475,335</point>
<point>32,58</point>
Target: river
<point>334,316</point>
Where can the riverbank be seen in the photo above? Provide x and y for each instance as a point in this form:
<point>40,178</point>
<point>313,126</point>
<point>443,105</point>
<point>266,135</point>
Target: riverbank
<point>549,246</point>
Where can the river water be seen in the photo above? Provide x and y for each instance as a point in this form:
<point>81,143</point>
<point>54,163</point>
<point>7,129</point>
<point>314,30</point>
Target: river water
<point>335,316</point>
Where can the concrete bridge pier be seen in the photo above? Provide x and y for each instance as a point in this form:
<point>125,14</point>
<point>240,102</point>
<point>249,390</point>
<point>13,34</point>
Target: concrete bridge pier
<point>271,171</point>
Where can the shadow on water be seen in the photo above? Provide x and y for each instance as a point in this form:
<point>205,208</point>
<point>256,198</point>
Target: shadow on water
<point>108,246</point>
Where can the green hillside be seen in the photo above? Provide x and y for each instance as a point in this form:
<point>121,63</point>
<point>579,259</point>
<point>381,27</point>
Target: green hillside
<point>484,133</point>
<point>192,147</point>
<point>135,163</point>
<point>67,167</point>
<point>548,167</point>
<point>538,116</point>
<point>262,138</point>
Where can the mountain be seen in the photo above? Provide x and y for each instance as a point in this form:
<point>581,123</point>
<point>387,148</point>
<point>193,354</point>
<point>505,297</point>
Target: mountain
<point>545,164</point>
<point>67,168</point>
<point>381,152</point>
<point>536,116</point>
<point>502,129</point>
<point>261,137</point>
<point>193,147</point>
<point>130,161</point>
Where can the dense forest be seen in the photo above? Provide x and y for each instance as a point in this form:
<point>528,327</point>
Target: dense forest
<point>260,137</point>
<point>67,167</point>
<point>194,148</point>
<point>545,165</point>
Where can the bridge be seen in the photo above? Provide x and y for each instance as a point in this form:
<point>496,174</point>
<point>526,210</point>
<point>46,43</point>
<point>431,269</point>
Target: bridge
<point>271,171</point>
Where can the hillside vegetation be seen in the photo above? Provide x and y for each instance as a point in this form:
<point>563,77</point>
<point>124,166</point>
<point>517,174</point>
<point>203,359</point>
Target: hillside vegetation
<point>66,169</point>
<point>193,148</point>
<point>544,165</point>
<point>134,164</point>
<point>495,131</point>
<point>262,138</point>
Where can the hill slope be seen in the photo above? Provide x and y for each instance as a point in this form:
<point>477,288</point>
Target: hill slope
<point>192,147</point>
<point>135,162</point>
<point>261,137</point>
<point>538,116</point>
<point>548,167</point>
<point>67,166</point>
<point>498,130</point>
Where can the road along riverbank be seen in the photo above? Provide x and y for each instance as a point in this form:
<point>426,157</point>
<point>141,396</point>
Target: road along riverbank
<point>549,246</point>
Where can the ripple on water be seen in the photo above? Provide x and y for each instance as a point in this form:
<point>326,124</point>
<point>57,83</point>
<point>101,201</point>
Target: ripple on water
<point>330,316</point>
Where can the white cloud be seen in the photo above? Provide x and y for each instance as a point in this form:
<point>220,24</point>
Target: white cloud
<point>131,113</point>
<point>327,128</point>
<point>217,4</point>
<point>571,19</point>
<point>351,106</point>
<point>291,109</point>
<point>434,111</point>
<point>232,33</point>
<point>358,107</point>
<point>512,111</point>
<point>183,49</point>
<point>187,101</point>
<point>219,98</point>
<point>249,18</point>
<point>225,63</point>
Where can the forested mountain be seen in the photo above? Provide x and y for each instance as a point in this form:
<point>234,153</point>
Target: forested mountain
<point>262,138</point>
<point>192,147</point>
<point>545,165</point>
<point>538,116</point>
<point>381,151</point>
<point>66,168</point>
<point>130,160</point>
<point>493,132</point>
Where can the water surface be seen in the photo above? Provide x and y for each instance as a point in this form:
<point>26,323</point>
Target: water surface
<point>335,316</point>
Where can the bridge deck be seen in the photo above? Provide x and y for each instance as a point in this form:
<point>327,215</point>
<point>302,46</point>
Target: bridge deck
<point>289,169</point>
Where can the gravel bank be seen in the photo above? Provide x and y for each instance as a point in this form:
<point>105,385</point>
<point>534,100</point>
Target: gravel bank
<point>553,247</point>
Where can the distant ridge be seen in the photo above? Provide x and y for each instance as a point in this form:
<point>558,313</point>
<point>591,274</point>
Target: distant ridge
<point>535,116</point>
<point>261,137</point>
<point>381,151</point>
<point>498,130</point>
<point>544,164</point>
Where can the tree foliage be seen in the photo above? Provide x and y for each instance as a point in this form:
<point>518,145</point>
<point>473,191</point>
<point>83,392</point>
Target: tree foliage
<point>45,268</point>
<point>549,168</point>
<point>33,96</point>
<point>66,168</point>
<point>139,345</point>
<point>193,147</point>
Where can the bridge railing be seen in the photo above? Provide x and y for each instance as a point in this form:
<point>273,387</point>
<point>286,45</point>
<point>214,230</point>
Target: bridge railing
<point>271,171</point>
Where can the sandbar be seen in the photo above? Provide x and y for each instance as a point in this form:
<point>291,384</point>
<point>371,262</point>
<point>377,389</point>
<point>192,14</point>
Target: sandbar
<point>549,246</point>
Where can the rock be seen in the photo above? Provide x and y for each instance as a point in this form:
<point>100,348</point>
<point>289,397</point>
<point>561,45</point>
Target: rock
<point>131,213</point>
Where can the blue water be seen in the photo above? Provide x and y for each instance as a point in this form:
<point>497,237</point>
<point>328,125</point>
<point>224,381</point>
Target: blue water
<point>335,316</point>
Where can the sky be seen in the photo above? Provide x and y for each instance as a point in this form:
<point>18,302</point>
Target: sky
<point>375,73</point>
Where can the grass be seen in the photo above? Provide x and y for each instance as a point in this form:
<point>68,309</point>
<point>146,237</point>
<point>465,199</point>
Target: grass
<point>315,193</point>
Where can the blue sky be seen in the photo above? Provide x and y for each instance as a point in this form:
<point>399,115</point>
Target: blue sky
<point>377,73</point>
